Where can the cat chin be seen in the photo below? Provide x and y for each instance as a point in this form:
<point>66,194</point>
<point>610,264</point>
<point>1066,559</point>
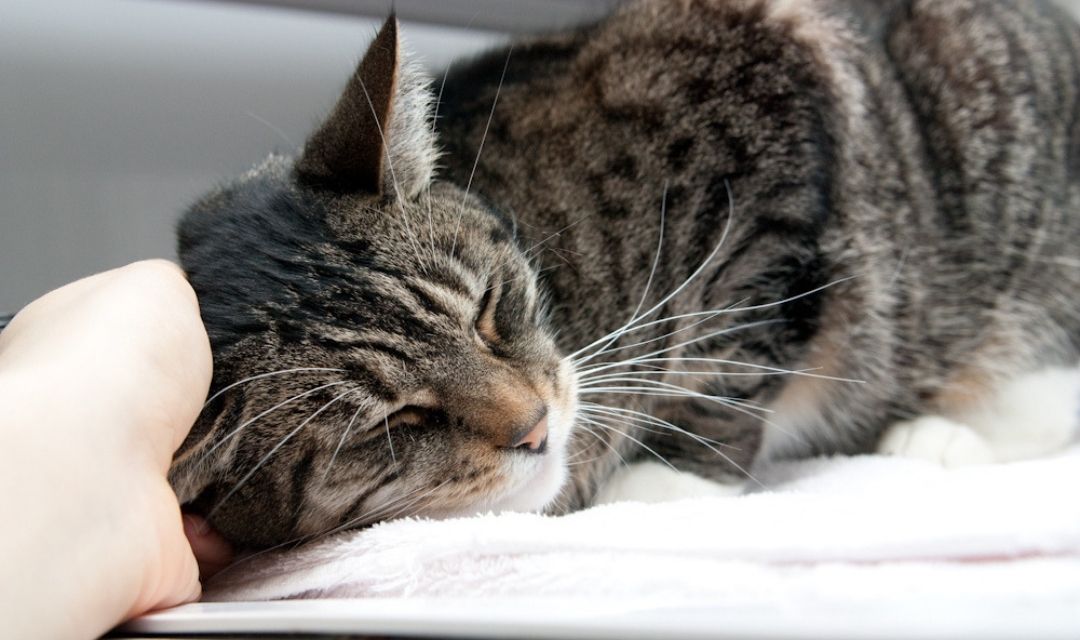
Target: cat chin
<point>537,491</point>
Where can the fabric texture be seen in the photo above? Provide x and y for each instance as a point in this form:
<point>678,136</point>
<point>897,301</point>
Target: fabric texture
<point>827,532</point>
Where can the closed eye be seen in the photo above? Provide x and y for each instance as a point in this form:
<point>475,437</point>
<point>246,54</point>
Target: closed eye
<point>408,416</point>
<point>484,326</point>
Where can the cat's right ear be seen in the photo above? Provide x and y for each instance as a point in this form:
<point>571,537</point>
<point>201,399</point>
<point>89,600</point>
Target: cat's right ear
<point>378,138</point>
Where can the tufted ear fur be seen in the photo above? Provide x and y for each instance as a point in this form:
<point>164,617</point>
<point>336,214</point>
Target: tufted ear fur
<point>378,138</point>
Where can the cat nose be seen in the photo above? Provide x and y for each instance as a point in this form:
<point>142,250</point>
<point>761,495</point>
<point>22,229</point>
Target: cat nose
<point>532,439</point>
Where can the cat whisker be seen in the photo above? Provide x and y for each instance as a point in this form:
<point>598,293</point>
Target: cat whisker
<point>275,449</point>
<point>679,289</point>
<point>712,313</point>
<point>547,238</point>
<point>277,406</point>
<point>740,406</point>
<point>591,374</point>
<point>707,336</point>
<point>480,148</point>
<point>393,177</point>
<point>267,375</point>
<point>578,463</point>
<point>602,440</point>
<point>627,376</point>
<point>371,515</point>
<point>659,422</point>
<point>596,422</point>
<point>755,307</point>
<point>700,439</point>
<point>434,125</point>
<point>414,504</point>
<point>271,126</point>
<point>389,440</point>
<point>643,426</point>
<point>682,329</point>
<point>615,335</point>
<point>341,442</point>
<point>299,540</point>
<point>674,392</point>
<point>431,227</point>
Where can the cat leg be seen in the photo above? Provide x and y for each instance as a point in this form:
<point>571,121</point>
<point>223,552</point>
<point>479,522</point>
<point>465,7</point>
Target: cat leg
<point>651,481</point>
<point>1029,416</point>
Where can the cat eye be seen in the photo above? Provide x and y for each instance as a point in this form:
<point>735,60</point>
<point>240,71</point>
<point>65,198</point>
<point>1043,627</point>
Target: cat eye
<point>484,325</point>
<point>408,416</point>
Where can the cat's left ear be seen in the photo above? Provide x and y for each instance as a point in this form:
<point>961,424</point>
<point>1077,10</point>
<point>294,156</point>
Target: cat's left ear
<point>379,138</point>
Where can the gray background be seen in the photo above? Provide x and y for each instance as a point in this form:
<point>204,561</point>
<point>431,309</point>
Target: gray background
<point>115,114</point>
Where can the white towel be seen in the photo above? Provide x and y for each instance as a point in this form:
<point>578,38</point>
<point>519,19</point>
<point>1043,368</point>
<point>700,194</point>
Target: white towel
<point>830,535</point>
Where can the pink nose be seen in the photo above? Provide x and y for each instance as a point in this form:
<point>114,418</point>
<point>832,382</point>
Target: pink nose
<point>535,440</point>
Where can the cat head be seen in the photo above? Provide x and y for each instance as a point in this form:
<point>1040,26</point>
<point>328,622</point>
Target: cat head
<point>379,341</point>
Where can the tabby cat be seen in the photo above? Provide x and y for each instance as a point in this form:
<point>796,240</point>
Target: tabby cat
<point>656,251</point>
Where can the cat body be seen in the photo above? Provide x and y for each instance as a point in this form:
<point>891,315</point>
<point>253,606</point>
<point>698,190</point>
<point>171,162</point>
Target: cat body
<point>918,161</point>
<point>699,232</point>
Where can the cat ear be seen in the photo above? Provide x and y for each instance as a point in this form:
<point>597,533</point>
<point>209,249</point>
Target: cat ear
<point>378,138</point>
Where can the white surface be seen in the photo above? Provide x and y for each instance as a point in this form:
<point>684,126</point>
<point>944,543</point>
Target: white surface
<point>869,547</point>
<point>616,619</point>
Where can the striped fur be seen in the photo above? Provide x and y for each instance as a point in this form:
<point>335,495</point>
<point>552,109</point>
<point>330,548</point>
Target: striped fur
<point>903,174</point>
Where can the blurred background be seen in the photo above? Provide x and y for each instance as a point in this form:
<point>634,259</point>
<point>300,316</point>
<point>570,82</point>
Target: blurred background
<point>116,114</point>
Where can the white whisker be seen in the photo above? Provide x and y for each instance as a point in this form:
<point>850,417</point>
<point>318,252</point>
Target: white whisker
<point>274,450</point>
<point>673,392</point>
<point>648,282</point>
<point>344,436</point>
<point>590,374</point>
<point>700,439</point>
<point>267,375</point>
<point>393,177</point>
<point>264,413</point>
<point>622,433</point>
<point>389,440</point>
<point>602,441</point>
<point>480,148</point>
<point>697,272</point>
<point>709,314</point>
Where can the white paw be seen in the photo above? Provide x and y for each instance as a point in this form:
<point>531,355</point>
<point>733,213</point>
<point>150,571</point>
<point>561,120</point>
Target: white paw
<point>936,439</point>
<point>1031,416</point>
<point>655,482</point>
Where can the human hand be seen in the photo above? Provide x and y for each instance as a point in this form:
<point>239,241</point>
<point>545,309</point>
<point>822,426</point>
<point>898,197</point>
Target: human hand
<point>100,382</point>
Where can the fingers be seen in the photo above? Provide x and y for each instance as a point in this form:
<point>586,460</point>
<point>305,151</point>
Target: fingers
<point>130,346</point>
<point>212,551</point>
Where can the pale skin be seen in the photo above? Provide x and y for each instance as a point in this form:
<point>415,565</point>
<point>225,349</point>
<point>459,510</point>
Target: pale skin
<point>100,382</point>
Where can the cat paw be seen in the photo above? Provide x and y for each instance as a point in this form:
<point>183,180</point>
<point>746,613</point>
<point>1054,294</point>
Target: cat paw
<point>1033,415</point>
<point>654,482</point>
<point>936,439</point>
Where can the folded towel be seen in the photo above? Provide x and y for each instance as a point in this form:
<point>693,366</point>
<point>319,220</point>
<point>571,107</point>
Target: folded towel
<point>827,534</point>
